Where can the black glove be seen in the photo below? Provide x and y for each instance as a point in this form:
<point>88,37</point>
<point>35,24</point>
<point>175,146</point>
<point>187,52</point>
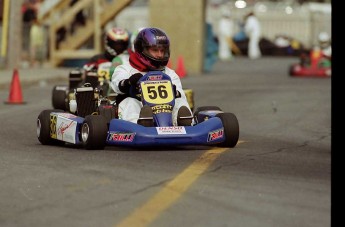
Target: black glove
<point>176,92</point>
<point>125,84</point>
<point>133,80</point>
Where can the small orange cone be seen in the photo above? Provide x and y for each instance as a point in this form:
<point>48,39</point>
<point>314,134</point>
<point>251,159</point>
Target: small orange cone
<point>180,69</point>
<point>15,96</point>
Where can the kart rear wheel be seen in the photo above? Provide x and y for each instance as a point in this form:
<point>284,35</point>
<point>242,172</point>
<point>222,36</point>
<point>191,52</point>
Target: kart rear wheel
<point>94,132</point>
<point>43,128</point>
<point>59,97</point>
<point>231,129</point>
<point>291,70</point>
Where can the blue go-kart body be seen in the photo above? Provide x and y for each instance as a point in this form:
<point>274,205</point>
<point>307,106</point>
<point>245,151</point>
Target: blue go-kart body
<point>211,126</point>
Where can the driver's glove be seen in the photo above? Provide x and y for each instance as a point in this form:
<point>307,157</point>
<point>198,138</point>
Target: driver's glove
<point>125,84</point>
<point>176,92</point>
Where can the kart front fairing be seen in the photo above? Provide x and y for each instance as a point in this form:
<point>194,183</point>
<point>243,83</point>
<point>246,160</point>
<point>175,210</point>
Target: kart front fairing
<point>126,133</point>
<point>66,127</point>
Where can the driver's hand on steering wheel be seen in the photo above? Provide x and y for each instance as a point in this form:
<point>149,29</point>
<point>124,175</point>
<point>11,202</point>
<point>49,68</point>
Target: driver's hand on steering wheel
<point>125,85</point>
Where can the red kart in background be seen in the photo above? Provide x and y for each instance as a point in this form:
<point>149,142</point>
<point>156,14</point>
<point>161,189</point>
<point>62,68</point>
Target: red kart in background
<point>315,65</point>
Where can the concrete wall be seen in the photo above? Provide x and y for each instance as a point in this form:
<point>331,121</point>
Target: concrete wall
<point>184,22</point>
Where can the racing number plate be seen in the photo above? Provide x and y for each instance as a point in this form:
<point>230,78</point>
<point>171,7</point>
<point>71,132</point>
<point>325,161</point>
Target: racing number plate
<point>157,92</point>
<point>103,70</point>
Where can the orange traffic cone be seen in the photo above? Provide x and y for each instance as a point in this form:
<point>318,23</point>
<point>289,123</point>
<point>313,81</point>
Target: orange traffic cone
<point>15,96</point>
<point>180,69</point>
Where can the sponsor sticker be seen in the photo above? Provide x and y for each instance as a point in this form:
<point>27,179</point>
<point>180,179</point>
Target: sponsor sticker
<point>67,115</point>
<point>171,130</point>
<point>53,121</point>
<point>65,130</point>
<point>164,108</point>
<point>121,137</point>
<point>214,135</point>
<point>155,77</point>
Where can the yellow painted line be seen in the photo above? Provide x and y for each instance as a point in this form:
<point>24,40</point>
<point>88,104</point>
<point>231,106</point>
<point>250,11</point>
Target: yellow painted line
<point>145,214</point>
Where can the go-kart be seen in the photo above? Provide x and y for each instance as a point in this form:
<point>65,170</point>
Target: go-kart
<point>62,94</point>
<point>100,78</point>
<point>314,66</point>
<point>95,123</point>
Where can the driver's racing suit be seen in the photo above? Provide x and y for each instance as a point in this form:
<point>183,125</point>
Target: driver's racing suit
<point>128,107</point>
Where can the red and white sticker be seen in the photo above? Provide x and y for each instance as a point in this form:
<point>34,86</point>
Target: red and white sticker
<point>217,134</point>
<point>65,130</point>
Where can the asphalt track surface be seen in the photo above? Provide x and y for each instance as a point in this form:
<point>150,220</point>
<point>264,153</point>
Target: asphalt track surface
<point>279,174</point>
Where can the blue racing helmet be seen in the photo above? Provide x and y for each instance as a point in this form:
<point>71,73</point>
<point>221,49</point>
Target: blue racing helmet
<point>152,37</point>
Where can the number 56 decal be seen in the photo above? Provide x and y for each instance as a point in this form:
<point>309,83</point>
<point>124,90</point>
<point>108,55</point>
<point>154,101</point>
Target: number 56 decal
<point>157,92</point>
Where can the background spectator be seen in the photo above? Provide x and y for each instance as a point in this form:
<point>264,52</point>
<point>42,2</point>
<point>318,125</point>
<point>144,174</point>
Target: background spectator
<point>37,43</point>
<point>225,27</point>
<point>211,50</point>
<point>253,30</point>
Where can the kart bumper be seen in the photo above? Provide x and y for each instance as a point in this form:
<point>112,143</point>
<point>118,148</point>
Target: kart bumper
<point>124,133</point>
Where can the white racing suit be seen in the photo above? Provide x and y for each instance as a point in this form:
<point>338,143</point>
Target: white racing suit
<point>253,31</point>
<point>129,108</point>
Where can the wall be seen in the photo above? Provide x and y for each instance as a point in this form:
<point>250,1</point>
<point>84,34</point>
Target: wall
<point>184,22</point>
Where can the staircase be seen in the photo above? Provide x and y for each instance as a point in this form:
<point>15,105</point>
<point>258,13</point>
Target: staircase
<point>99,12</point>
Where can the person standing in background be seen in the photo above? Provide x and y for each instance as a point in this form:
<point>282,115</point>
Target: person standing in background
<point>36,43</point>
<point>253,30</point>
<point>225,28</point>
<point>324,41</point>
<point>29,13</point>
<point>211,50</point>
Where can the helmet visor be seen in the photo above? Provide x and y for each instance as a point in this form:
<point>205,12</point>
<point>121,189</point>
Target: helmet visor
<point>158,52</point>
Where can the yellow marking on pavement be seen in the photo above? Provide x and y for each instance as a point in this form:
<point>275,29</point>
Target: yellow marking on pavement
<point>145,214</point>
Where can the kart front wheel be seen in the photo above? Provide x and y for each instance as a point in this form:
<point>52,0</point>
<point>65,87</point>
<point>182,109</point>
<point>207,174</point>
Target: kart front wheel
<point>94,132</point>
<point>43,127</point>
<point>231,129</point>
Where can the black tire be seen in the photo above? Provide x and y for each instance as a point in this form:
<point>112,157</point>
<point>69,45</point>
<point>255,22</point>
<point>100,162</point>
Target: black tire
<point>292,70</point>
<point>43,128</point>
<point>59,97</point>
<point>231,129</point>
<point>203,108</point>
<point>93,132</point>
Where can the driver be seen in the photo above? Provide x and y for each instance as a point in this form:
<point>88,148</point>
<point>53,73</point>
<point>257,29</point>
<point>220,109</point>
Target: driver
<point>325,45</point>
<point>151,53</point>
<point>116,42</point>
